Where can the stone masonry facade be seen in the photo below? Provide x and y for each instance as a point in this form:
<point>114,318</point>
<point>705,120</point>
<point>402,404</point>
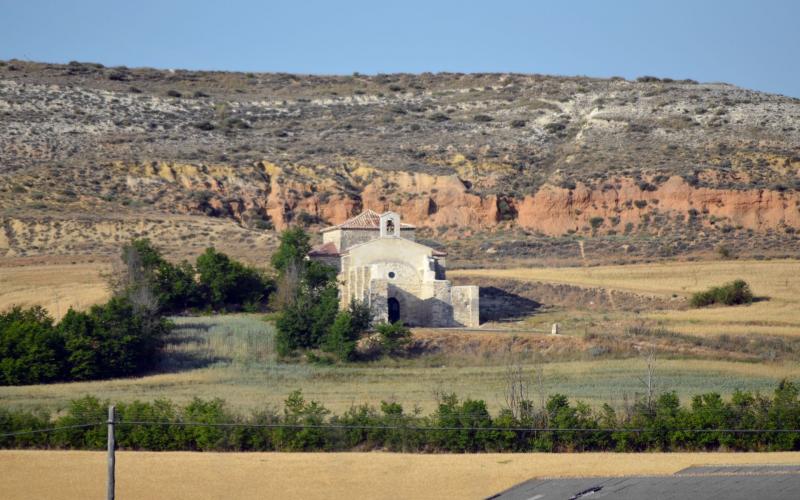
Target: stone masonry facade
<point>380,263</point>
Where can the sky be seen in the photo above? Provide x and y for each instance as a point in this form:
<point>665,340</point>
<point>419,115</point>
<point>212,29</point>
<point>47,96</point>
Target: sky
<point>753,44</point>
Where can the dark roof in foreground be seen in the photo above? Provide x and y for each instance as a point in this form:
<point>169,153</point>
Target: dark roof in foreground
<point>728,482</point>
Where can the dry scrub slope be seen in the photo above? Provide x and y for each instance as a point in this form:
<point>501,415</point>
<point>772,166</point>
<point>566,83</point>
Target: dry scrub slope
<point>507,164</point>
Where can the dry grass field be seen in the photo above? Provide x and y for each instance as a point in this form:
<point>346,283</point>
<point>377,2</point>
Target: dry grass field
<point>777,281</point>
<point>144,475</point>
<point>56,287</point>
<point>232,357</point>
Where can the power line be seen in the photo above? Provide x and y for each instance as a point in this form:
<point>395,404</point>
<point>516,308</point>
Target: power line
<point>637,430</point>
<point>50,429</point>
<point>447,428</point>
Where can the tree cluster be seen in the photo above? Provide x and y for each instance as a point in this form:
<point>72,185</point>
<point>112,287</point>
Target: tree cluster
<point>309,301</point>
<point>122,337</point>
<point>708,423</point>
<point>215,282</point>
<point>115,339</point>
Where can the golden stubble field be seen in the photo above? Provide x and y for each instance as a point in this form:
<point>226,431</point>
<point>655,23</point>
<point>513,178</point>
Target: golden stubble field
<point>77,475</point>
<point>56,287</point>
<point>776,282</point>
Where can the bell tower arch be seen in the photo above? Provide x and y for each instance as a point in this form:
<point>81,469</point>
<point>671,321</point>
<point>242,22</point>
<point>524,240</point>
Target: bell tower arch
<point>390,224</point>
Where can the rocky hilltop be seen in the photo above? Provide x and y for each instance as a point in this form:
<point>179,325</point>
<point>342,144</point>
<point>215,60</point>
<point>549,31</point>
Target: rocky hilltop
<point>496,166</point>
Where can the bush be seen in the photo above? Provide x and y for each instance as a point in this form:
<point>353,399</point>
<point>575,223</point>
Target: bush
<point>342,337</point>
<point>733,293</point>
<point>115,339</point>
<point>724,251</point>
<point>346,330</point>
<point>393,337</point>
<point>204,125</point>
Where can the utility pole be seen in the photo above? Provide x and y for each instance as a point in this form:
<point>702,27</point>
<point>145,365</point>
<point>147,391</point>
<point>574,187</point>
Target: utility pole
<point>111,458</point>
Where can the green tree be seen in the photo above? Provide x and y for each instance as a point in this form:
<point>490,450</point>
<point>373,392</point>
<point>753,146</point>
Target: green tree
<point>316,275</point>
<point>129,339</point>
<point>294,326</point>
<point>78,330</point>
<point>361,315</point>
<point>347,328</point>
<point>112,340</point>
<point>292,249</point>
<point>309,297</point>
<point>175,287</point>
<point>146,276</point>
<point>31,351</point>
<point>342,338</point>
<point>226,282</point>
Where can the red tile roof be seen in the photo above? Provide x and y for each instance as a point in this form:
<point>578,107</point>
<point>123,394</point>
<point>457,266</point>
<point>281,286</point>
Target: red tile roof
<point>325,250</point>
<point>368,219</point>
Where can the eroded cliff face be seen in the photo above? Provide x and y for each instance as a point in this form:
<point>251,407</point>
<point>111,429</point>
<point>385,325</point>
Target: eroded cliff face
<point>187,207</point>
<point>554,210</point>
<point>315,196</point>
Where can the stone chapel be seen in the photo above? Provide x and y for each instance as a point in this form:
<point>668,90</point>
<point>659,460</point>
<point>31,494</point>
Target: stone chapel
<point>379,262</point>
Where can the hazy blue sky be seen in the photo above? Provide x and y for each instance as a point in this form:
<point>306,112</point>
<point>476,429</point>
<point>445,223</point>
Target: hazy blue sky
<point>754,44</point>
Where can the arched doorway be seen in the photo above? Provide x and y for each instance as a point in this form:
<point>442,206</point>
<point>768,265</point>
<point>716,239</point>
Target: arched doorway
<point>394,309</point>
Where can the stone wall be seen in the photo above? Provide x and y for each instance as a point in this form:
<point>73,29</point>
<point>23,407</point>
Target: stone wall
<point>378,295</point>
<point>466,306</point>
<point>439,306</point>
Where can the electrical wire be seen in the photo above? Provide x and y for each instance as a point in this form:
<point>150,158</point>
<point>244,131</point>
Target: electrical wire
<point>50,429</point>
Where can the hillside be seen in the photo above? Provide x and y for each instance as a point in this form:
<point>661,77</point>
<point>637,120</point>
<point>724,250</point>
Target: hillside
<point>496,166</point>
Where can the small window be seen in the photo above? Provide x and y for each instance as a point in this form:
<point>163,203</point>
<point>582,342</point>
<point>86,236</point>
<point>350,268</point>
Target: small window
<point>391,275</point>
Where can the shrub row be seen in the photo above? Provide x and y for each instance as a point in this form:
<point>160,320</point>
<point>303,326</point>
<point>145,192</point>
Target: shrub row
<point>456,426</point>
